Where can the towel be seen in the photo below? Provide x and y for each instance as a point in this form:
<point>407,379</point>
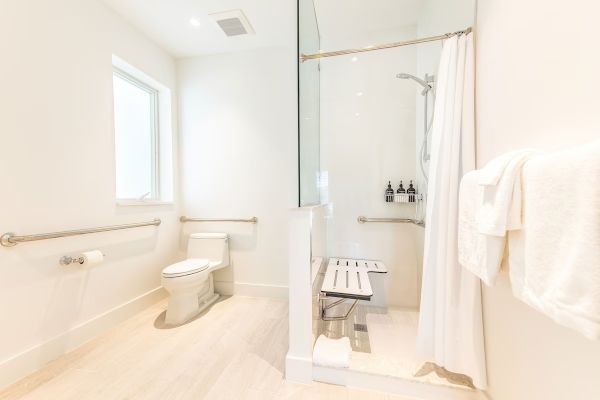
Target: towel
<point>493,171</point>
<point>332,352</point>
<point>554,260</point>
<point>500,209</point>
<point>479,253</point>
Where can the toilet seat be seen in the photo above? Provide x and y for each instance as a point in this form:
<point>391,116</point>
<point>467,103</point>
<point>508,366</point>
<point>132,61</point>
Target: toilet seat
<point>186,267</point>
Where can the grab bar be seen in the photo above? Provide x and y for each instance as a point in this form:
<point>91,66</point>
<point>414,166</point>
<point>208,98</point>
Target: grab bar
<point>12,239</point>
<point>252,220</point>
<point>362,220</point>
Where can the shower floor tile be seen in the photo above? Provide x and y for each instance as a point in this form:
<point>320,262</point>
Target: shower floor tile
<point>388,346</point>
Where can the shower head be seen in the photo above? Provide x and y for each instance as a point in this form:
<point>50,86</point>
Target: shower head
<point>425,83</point>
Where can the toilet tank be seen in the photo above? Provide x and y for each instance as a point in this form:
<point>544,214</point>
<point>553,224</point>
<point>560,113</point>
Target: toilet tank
<point>212,246</point>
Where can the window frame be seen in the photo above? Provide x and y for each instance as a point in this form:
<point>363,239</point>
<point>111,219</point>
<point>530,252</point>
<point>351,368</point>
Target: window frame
<point>155,194</point>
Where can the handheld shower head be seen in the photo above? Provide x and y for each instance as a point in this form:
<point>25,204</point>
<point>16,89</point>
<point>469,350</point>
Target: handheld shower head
<point>426,86</point>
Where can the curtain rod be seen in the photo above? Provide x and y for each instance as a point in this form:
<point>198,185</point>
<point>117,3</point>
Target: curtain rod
<point>305,57</point>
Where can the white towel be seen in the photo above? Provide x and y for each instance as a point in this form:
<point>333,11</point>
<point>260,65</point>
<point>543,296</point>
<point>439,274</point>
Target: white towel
<point>554,260</point>
<point>493,171</point>
<point>332,352</point>
<point>500,209</point>
<point>481,254</point>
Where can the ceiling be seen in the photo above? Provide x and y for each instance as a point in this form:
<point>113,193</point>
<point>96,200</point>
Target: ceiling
<point>350,18</point>
<point>167,22</point>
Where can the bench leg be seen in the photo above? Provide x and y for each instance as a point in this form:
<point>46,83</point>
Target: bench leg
<point>335,303</point>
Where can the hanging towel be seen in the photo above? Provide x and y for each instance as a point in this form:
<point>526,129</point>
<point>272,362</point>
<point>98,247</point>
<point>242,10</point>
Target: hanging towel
<point>479,253</point>
<point>500,209</point>
<point>554,261</point>
<point>493,171</point>
<point>332,352</point>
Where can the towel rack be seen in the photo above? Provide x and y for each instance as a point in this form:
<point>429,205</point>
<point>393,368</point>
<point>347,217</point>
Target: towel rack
<point>252,220</point>
<point>362,220</point>
<point>12,239</point>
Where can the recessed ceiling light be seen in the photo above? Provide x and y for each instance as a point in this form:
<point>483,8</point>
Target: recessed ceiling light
<point>359,94</point>
<point>194,22</point>
<point>357,115</point>
<point>354,59</point>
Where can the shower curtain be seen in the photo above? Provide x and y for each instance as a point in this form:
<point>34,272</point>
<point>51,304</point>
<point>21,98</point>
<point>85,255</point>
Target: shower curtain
<point>450,322</point>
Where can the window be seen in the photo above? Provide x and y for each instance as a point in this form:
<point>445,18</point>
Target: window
<point>136,138</point>
<point>143,137</point>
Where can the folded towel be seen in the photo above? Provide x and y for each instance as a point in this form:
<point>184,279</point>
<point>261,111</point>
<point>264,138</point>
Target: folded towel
<point>481,254</point>
<point>332,352</point>
<point>500,210</point>
<point>554,260</point>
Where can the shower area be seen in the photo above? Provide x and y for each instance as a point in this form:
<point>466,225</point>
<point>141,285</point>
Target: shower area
<point>365,119</point>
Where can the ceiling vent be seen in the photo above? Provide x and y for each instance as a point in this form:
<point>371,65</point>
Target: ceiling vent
<point>233,23</point>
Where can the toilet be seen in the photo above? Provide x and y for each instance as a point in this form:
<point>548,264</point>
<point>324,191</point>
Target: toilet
<point>190,282</point>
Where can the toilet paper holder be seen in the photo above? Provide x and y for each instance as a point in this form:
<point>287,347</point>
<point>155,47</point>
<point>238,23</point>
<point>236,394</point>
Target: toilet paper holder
<point>80,258</point>
<point>68,260</point>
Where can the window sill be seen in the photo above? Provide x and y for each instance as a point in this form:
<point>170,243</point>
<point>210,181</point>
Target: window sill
<point>144,203</point>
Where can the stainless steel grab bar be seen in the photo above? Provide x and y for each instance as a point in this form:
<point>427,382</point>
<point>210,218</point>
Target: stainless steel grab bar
<point>252,220</point>
<point>362,220</point>
<point>12,239</point>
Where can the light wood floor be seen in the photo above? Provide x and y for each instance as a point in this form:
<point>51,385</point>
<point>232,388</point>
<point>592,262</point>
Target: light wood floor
<point>235,350</point>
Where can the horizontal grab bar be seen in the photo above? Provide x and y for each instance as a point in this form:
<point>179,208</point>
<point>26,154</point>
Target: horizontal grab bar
<point>362,220</point>
<point>12,239</point>
<point>252,220</point>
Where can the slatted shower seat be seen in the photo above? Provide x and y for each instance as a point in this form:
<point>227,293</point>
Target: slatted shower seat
<point>345,279</point>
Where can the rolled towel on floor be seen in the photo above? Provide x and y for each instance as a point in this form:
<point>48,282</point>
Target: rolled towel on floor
<point>332,352</point>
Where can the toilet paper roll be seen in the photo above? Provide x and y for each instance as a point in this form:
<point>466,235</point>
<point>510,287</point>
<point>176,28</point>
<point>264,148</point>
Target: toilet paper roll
<point>92,257</point>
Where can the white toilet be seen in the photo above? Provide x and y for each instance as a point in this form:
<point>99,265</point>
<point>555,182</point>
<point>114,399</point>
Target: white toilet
<point>190,282</point>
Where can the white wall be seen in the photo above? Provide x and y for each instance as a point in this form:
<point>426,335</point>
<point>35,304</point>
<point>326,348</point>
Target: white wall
<point>360,153</point>
<point>537,86</point>
<point>239,158</point>
<point>57,158</point>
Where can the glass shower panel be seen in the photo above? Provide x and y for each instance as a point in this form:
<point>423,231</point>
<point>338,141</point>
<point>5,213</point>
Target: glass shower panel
<point>309,106</point>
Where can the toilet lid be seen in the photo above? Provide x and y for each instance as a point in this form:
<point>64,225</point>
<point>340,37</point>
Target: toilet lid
<point>187,267</point>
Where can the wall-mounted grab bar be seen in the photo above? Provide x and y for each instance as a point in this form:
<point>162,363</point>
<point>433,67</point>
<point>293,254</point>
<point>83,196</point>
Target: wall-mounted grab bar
<point>12,239</point>
<point>362,220</point>
<point>252,220</point>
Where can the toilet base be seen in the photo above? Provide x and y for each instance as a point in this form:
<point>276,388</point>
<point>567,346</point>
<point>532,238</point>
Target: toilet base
<point>183,307</point>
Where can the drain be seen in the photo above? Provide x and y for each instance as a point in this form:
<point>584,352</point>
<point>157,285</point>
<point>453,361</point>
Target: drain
<point>360,328</point>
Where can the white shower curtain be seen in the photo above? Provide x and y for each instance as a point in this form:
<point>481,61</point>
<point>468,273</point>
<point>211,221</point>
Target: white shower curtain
<point>450,325</point>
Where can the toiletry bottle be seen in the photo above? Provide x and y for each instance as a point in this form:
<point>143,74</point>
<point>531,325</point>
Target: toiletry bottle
<point>397,197</point>
<point>389,193</point>
<point>411,193</point>
<point>400,194</point>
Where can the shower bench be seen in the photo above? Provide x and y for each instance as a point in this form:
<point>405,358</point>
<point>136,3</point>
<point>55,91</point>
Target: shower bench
<point>347,279</point>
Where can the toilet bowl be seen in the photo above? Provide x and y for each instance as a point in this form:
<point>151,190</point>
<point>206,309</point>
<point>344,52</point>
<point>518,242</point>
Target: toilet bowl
<point>190,282</point>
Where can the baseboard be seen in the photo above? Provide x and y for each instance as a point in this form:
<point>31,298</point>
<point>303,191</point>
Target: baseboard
<point>224,288</point>
<point>29,361</point>
<point>403,387</point>
<point>251,289</point>
<point>298,369</point>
